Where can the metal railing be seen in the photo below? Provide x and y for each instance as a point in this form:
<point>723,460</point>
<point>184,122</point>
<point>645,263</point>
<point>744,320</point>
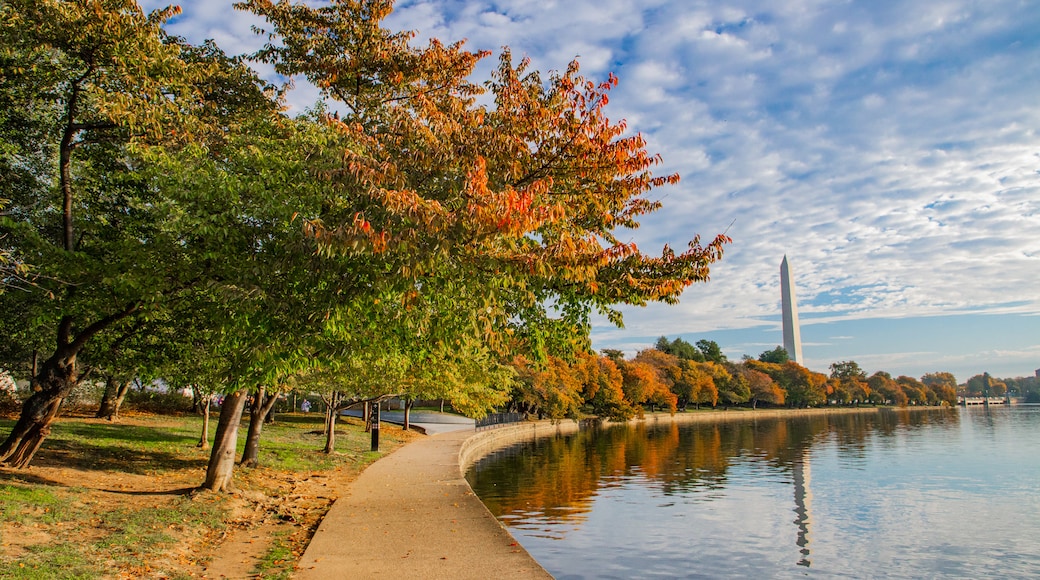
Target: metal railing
<point>496,419</point>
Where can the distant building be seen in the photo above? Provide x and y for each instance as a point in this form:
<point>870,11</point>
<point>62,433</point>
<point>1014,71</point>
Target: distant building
<point>792,332</point>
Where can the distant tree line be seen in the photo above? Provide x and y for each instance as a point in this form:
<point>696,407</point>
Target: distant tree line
<point>676,375</point>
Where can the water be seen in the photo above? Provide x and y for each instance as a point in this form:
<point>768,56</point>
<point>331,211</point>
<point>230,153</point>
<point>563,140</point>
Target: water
<point>898,494</point>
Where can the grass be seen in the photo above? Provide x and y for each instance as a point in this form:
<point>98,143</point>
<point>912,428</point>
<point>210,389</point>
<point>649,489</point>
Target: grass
<point>278,562</point>
<point>113,500</point>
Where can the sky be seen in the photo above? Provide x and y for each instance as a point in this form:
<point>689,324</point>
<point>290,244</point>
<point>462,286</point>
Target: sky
<point>888,148</point>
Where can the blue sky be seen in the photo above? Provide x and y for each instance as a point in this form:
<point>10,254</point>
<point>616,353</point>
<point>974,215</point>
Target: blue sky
<point>889,148</point>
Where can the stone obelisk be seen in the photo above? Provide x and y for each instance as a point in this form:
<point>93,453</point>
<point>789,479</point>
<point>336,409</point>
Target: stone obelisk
<point>792,333</point>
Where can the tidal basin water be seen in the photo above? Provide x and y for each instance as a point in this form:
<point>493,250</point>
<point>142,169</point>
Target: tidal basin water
<point>896,494</point>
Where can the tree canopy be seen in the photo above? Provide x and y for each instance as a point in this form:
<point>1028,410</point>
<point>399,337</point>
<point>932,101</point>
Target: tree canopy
<point>156,199</point>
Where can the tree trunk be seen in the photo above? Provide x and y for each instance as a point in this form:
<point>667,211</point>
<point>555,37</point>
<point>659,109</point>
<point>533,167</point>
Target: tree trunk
<point>328,412</point>
<point>408,413</point>
<point>261,406</point>
<point>222,458</point>
<point>55,380</point>
<point>269,416</point>
<point>330,423</point>
<point>366,416</point>
<point>115,392</point>
<point>204,402</point>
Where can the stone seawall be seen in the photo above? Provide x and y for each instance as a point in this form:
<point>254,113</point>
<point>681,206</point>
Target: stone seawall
<point>484,443</point>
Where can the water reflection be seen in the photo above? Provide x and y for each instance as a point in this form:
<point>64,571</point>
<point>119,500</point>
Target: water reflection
<point>803,504</point>
<point>648,501</point>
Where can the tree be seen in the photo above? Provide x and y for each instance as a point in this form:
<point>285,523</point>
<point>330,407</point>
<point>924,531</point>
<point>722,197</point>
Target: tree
<point>613,354</point>
<point>516,202</point>
<point>668,371</point>
<point>642,383</point>
<point>679,348</point>
<point>700,376</point>
<point>734,388</point>
<point>711,351</point>
<point>980,385</point>
<point>888,390</point>
<point>552,390</point>
<point>106,89</point>
<point>847,369</point>
<point>763,388</point>
<point>776,356</point>
<point>81,81</point>
<point>944,385</point>
<point>602,384</point>
<point>801,386</point>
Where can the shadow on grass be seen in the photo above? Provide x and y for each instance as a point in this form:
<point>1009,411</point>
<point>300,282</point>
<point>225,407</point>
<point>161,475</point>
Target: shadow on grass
<point>114,447</point>
<point>84,455</point>
<point>178,491</point>
<point>316,419</point>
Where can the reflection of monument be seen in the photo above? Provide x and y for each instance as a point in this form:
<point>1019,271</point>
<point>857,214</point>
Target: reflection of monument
<point>802,503</point>
<point>792,333</point>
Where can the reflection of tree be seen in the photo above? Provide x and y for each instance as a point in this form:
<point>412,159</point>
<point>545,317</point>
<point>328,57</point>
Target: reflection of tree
<point>556,479</point>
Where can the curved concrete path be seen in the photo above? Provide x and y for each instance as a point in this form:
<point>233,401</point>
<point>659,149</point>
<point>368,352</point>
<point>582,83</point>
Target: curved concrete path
<point>413,515</point>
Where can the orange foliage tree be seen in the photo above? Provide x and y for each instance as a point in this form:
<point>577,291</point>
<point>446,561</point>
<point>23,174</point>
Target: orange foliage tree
<point>519,198</point>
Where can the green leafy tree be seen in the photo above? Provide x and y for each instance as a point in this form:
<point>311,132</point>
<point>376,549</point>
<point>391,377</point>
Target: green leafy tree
<point>776,356</point>
<point>847,369</point>
<point>81,82</point>
<point>679,348</point>
<point>711,351</point>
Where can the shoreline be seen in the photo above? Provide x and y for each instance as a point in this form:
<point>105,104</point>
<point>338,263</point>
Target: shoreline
<point>484,443</point>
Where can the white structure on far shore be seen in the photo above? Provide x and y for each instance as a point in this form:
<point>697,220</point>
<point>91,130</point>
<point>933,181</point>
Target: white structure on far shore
<point>792,332</point>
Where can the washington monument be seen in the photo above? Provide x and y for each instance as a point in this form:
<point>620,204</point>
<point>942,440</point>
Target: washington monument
<point>792,333</point>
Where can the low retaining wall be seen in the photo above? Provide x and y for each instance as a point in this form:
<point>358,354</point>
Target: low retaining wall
<point>484,443</point>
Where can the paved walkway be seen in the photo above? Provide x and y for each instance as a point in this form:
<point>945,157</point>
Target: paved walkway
<point>431,422</point>
<point>412,515</point>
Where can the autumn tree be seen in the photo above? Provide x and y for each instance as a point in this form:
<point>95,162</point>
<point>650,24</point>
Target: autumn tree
<point>734,388</point>
<point>643,384</point>
<point>516,201</point>
<point>944,385</point>
<point>603,390</point>
<point>801,386</point>
<point>763,389</point>
<point>700,377</point>
<point>916,392</point>
<point>887,389</point>
<point>551,390</point>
